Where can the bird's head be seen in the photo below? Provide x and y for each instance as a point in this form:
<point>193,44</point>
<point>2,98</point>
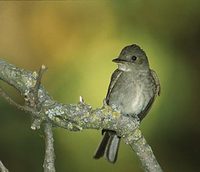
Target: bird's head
<point>132,57</point>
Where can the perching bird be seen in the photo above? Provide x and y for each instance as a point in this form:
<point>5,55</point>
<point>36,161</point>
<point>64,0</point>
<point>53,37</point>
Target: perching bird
<point>132,90</point>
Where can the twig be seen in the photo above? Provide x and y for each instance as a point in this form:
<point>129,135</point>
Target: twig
<point>35,98</point>
<point>49,160</point>
<point>3,168</point>
<point>12,102</point>
<point>36,88</point>
<point>41,71</point>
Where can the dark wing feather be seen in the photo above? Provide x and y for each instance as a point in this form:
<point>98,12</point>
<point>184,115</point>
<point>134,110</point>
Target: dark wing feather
<point>157,82</point>
<point>116,74</point>
<point>146,110</point>
<point>158,89</point>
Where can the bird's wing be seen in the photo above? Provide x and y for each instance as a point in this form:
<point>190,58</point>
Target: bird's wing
<point>158,89</point>
<point>115,76</point>
<point>142,114</point>
<point>157,82</point>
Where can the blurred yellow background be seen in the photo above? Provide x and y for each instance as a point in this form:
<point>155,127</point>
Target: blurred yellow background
<point>77,40</point>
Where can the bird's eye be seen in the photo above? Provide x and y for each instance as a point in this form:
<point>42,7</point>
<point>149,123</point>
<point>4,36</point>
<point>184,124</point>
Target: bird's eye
<point>133,58</point>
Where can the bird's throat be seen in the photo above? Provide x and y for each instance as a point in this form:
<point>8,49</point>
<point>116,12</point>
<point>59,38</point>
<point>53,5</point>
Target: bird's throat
<point>124,67</point>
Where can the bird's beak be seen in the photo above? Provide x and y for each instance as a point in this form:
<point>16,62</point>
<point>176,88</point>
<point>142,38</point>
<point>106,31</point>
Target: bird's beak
<point>118,60</point>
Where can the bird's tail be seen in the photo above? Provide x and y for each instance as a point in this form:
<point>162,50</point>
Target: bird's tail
<point>109,146</point>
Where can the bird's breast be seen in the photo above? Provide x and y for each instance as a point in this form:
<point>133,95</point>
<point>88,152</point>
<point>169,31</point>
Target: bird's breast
<point>138,101</point>
<point>131,96</point>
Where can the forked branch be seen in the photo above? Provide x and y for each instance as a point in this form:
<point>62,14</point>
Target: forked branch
<point>73,117</point>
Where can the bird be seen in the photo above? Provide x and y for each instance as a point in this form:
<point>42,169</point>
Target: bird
<point>132,91</point>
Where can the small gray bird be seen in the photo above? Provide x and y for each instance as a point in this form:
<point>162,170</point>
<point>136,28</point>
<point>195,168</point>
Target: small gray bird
<point>132,91</point>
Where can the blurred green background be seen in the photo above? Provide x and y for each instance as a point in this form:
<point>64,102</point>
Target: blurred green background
<point>77,41</point>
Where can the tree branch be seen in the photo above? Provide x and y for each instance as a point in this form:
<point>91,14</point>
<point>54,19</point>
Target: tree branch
<point>49,152</point>
<point>74,117</point>
<point>145,153</point>
<point>3,168</point>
